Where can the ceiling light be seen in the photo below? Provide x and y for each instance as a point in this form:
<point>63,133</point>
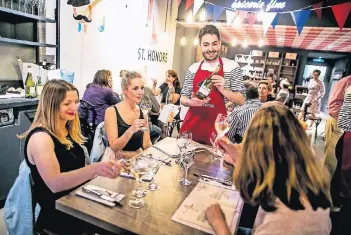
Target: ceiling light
<point>196,41</point>
<point>203,15</point>
<point>330,46</point>
<point>320,57</point>
<point>280,39</point>
<point>183,41</point>
<point>189,19</point>
<point>245,43</point>
<point>260,43</point>
<point>234,42</point>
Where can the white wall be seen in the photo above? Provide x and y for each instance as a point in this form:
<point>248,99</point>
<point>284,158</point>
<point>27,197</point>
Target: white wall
<point>117,47</point>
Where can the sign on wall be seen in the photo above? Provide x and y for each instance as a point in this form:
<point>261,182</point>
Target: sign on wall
<point>151,55</point>
<point>257,5</point>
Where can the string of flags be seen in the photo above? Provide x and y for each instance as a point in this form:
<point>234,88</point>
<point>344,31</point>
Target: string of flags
<point>300,17</point>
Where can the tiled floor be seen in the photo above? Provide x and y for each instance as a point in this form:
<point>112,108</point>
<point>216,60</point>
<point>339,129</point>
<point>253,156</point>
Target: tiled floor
<point>318,146</point>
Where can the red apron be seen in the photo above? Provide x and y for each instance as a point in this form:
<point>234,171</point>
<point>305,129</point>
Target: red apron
<point>200,121</point>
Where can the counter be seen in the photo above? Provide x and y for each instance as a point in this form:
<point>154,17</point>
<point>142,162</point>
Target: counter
<point>17,102</point>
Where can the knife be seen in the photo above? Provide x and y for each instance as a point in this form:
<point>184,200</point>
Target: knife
<point>102,196</point>
<point>221,181</point>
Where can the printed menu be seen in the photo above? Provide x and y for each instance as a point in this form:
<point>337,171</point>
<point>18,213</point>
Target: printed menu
<point>192,211</point>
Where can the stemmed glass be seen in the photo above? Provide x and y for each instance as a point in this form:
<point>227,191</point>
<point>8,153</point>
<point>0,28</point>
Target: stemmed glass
<point>145,107</point>
<point>186,162</point>
<point>216,152</point>
<point>140,167</point>
<point>221,125</point>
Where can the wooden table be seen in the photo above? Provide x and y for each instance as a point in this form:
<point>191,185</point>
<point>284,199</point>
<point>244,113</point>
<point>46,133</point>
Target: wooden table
<point>155,217</point>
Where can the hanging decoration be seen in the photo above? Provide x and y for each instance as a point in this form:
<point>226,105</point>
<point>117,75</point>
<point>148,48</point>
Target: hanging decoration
<point>267,19</point>
<point>300,18</point>
<point>178,2</point>
<point>318,9</point>
<point>243,15</point>
<point>251,17</point>
<point>217,11</point>
<point>188,4</point>
<point>341,12</point>
<point>275,21</point>
<point>197,5</point>
<point>230,16</point>
<point>149,11</point>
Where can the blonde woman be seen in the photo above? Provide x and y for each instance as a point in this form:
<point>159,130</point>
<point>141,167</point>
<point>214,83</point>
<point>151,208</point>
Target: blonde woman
<point>276,169</point>
<point>123,122</point>
<point>55,157</point>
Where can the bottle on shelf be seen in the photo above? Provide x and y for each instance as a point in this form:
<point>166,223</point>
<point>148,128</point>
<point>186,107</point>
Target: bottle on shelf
<point>39,87</point>
<point>206,85</point>
<point>30,84</point>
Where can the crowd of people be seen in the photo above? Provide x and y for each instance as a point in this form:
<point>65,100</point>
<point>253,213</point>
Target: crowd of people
<point>276,170</point>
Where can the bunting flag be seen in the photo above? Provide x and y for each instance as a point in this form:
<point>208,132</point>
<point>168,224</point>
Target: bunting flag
<point>267,19</point>
<point>300,18</point>
<point>188,4</point>
<point>179,1</point>
<point>251,17</point>
<point>209,9</point>
<point>341,12</point>
<point>243,15</point>
<point>197,6</point>
<point>217,11</point>
<point>275,21</point>
<point>317,8</point>
<point>230,16</point>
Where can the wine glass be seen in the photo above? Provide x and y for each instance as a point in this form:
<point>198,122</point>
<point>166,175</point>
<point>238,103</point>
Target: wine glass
<point>216,152</point>
<point>145,107</point>
<point>188,137</point>
<point>186,162</point>
<point>222,125</point>
<point>140,167</point>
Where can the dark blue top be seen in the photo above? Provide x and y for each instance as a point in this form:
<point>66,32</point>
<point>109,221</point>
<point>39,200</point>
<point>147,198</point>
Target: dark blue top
<point>164,91</point>
<point>101,98</point>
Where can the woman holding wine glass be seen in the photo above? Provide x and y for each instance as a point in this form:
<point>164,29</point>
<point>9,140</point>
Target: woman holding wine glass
<point>125,120</point>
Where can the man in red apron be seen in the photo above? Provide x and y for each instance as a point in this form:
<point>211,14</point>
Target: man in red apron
<point>228,85</point>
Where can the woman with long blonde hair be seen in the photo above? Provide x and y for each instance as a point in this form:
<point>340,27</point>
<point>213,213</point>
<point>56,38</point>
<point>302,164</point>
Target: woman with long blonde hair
<point>53,151</point>
<point>276,169</point>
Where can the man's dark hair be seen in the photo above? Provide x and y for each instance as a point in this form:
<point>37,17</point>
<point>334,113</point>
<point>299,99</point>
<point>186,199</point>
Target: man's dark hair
<point>209,29</point>
<point>251,93</point>
<point>270,75</point>
<point>317,71</point>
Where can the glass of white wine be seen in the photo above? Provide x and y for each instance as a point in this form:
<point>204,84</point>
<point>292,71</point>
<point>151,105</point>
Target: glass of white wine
<point>145,107</point>
<point>186,162</point>
<point>222,125</point>
<point>139,169</point>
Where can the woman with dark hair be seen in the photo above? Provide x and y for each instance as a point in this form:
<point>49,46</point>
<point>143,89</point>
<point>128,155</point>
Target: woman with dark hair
<point>100,95</point>
<point>170,89</point>
<point>276,168</point>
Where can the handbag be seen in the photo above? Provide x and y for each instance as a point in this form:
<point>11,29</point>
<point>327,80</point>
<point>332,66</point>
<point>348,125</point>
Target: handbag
<point>110,155</point>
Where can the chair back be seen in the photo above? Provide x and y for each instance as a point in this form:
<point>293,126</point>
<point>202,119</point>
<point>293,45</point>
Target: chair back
<point>87,128</point>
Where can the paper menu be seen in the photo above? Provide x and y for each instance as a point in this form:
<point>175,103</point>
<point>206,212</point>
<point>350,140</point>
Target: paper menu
<point>192,211</point>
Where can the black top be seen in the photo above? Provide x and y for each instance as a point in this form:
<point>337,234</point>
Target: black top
<point>68,160</point>
<point>164,90</point>
<point>136,142</point>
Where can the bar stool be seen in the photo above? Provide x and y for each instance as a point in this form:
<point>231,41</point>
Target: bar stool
<point>316,120</point>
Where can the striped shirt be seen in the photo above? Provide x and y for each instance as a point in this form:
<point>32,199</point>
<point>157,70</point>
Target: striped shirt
<point>233,76</point>
<point>240,118</point>
<point>344,120</point>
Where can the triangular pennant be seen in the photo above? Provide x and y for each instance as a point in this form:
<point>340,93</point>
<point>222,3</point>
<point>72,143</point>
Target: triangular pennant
<point>341,12</point>
<point>243,15</point>
<point>267,18</point>
<point>197,6</point>
<point>251,17</point>
<point>317,8</point>
<point>188,4</point>
<point>300,18</point>
<point>179,1</point>
<point>217,11</point>
<point>230,16</point>
<point>275,21</point>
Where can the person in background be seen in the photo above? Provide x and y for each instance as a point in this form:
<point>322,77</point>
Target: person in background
<point>241,117</point>
<point>276,168</point>
<point>264,89</point>
<point>271,81</point>
<point>227,86</point>
<point>170,89</point>
<point>283,95</point>
<point>316,91</point>
<point>123,122</point>
<point>53,151</point>
<point>100,95</point>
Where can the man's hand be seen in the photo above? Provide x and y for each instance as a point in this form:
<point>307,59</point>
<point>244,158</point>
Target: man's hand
<point>218,81</point>
<point>196,102</point>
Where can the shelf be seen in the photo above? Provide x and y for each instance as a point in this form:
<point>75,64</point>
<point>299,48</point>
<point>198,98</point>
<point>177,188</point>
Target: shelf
<point>288,74</point>
<point>13,16</point>
<point>272,65</point>
<point>26,43</point>
<point>256,64</point>
<point>288,66</point>
<point>242,62</point>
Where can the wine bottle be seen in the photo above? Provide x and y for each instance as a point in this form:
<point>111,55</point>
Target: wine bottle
<point>206,85</point>
<point>39,87</point>
<point>30,85</point>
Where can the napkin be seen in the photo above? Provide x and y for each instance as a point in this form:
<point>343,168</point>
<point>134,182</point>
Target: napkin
<point>101,195</point>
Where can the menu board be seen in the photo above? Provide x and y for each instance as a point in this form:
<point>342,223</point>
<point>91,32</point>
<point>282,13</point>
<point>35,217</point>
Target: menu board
<point>192,211</point>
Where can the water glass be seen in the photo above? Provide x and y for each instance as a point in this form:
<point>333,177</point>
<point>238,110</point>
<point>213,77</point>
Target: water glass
<point>186,162</point>
<point>139,168</point>
<point>222,125</point>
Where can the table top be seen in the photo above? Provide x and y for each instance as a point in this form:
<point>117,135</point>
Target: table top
<point>155,217</point>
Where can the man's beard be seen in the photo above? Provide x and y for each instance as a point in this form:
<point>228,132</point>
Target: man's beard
<point>210,59</point>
